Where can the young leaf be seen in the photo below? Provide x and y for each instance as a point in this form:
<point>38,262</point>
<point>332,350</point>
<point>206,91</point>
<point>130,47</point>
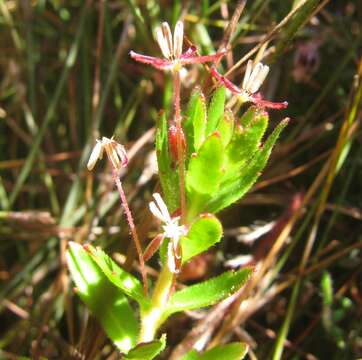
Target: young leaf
<point>232,351</point>
<point>191,355</point>
<point>204,232</point>
<point>245,141</point>
<point>147,351</point>
<point>233,189</point>
<point>168,177</point>
<point>208,292</point>
<point>248,116</point>
<point>130,285</point>
<point>216,110</point>
<point>205,168</point>
<point>194,124</point>
<point>105,301</point>
<point>226,127</point>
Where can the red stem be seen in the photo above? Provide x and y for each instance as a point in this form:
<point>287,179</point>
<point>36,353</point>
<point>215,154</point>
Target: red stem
<point>132,227</point>
<point>180,154</point>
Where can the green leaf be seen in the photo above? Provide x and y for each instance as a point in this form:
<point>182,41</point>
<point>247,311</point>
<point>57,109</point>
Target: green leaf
<point>233,189</point>
<point>205,168</point>
<point>168,176</point>
<point>248,116</point>
<point>106,302</point>
<point>226,127</point>
<point>232,351</point>
<point>130,285</point>
<point>208,292</point>
<point>216,110</point>
<point>147,351</point>
<point>245,142</point>
<point>194,124</point>
<point>191,355</point>
<point>204,232</point>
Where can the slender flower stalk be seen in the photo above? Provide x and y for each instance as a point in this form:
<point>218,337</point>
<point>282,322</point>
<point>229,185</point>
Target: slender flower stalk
<point>117,156</point>
<point>253,79</point>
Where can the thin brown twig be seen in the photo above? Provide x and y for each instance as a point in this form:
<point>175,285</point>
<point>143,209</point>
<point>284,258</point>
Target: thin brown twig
<point>270,35</point>
<point>225,42</point>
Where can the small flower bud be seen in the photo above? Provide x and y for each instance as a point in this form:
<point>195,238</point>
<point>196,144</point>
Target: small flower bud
<point>172,141</point>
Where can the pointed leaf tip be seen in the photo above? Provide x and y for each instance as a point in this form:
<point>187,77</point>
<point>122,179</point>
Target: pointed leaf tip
<point>147,350</point>
<point>215,110</point>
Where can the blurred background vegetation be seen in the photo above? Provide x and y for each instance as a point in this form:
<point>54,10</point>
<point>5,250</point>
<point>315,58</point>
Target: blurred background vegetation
<point>66,78</point>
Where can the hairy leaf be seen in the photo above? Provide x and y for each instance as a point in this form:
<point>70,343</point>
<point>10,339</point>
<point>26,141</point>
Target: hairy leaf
<point>232,351</point>
<point>208,292</point>
<point>130,285</point>
<point>205,168</point>
<point>147,351</point>
<point>248,116</point>
<point>194,124</point>
<point>204,232</point>
<point>216,110</point>
<point>245,141</point>
<point>226,127</point>
<point>191,355</point>
<point>106,302</point>
<point>233,189</point>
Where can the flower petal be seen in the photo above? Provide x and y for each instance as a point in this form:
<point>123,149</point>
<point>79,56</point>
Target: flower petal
<point>227,83</point>
<point>193,59</point>
<point>121,151</point>
<point>96,154</point>
<point>253,76</point>
<point>157,63</point>
<point>156,212</point>
<point>258,81</point>
<point>162,206</point>
<point>178,37</point>
<point>249,68</point>
<point>257,100</point>
<point>167,40</point>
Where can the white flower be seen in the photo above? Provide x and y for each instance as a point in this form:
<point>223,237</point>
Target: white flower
<point>254,77</point>
<point>253,80</point>
<point>171,230</point>
<point>116,153</point>
<point>171,227</point>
